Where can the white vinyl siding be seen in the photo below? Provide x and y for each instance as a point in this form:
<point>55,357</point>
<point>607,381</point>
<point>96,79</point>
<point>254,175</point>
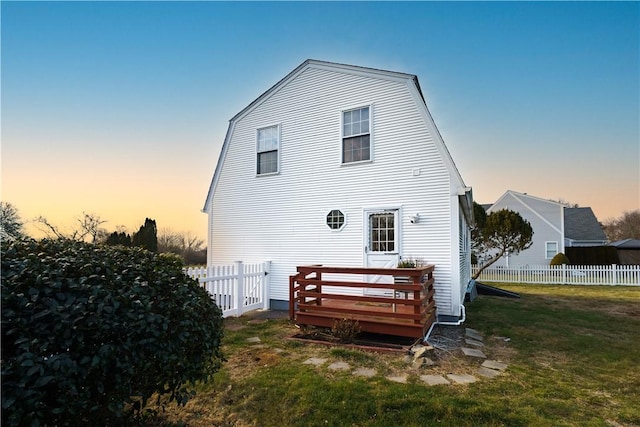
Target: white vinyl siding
<point>290,228</point>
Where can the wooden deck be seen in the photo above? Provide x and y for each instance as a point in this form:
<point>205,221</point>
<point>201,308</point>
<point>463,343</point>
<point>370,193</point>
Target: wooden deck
<point>408,311</point>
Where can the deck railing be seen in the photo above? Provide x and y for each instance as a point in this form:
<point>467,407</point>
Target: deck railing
<point>612,275</point>
<point>320,295</point>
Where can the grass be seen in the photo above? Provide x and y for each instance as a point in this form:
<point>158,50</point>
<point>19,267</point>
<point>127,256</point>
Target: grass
<point>573,360</point>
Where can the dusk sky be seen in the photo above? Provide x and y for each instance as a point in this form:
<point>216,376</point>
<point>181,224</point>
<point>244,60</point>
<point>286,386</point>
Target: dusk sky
<point>121,108</point>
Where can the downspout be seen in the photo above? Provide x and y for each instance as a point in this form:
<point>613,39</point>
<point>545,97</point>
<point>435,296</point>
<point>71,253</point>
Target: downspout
<point>458,322</point>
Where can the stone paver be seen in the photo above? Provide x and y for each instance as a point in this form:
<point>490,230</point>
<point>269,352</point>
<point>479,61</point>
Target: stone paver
<point>473,352</point>
<point>434,380</point>
<point>473,334</point>
<point>462,378</point>
<point>316,361</point>
<point>477,343</point>
<point>259,346</point>
<point>488,373</point>
<point>253,339</point>
<point>416,359</point>
<point>402,379</point>
<point>365,372</point>
<point>494,364</point>
<point>421,351</point>
<point>422,362</point>
<point>339,366</point>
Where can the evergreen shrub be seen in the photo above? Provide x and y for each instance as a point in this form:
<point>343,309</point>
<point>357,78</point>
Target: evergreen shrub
<point>90,333</point>
<point>559,259</point>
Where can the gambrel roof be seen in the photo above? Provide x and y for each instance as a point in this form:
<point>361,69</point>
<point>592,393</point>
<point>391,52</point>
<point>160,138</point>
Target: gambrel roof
<point>464,192</point>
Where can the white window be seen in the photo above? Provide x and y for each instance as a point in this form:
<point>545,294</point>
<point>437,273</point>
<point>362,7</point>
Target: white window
<point>551,249</point>
<point>382,229</point>
<point>335,219</point>
<point>356,135</point>
<point>267,148</point>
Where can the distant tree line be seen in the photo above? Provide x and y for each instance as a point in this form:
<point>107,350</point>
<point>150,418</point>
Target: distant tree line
<point>626,226</point>
<point>88,228</point>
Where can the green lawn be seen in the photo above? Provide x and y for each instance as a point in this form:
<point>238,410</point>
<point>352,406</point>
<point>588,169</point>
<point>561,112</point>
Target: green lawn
<point>573,359</point>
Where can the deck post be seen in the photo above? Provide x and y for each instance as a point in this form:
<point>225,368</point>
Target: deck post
<point>292,301</point>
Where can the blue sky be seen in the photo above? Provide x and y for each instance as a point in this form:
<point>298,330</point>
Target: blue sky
<point>120,108</point>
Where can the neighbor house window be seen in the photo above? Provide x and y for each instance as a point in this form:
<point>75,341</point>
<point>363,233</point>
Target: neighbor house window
<point>356,135</point>
<point>267,150</point>
<point>551,249</point>
<point>335,219</point>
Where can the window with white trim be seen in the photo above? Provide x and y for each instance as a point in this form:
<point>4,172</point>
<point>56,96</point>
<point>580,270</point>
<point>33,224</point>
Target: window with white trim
<point>382,232</point>
<point>356,135</point>
<point>267,147</point>
<point>551,249</point>
<point>335,219</point>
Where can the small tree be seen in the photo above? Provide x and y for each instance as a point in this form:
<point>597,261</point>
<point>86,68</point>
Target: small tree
<point>480,219</point>
<point>147,236</point>
<point>504,231</point>
<point>10,222</point>
<point>88,228</point>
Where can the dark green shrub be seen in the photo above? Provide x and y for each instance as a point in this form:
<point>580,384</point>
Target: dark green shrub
<point>593,255</point>
<point>89,332</point>
<point>559,259</point>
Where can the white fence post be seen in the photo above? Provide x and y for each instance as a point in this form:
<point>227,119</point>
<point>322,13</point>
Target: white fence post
<point>239,300</point>
<point>266,284</point>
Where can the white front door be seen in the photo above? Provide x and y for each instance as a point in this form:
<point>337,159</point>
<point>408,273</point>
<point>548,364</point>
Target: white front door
<point>382,244</point>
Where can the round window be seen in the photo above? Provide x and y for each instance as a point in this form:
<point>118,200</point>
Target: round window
<point>335,219</point>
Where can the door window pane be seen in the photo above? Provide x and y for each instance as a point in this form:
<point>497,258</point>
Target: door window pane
<point>382,232</point>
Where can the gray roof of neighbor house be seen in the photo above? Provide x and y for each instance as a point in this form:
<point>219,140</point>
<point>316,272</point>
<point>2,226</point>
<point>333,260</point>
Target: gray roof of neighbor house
<point>582,224</point>
<point>626,244</point>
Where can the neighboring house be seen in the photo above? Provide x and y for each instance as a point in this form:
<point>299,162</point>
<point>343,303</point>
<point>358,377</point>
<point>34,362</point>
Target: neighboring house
<point>628,251</point>
<point>555,227</point>
<point>340,165</point>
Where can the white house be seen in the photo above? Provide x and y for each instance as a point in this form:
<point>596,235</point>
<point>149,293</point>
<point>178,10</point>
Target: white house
<point>555,227</point>
<point>340,165</point>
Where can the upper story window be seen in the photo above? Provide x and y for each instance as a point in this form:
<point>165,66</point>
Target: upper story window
<point>356,135</point>
<point>267,148</point>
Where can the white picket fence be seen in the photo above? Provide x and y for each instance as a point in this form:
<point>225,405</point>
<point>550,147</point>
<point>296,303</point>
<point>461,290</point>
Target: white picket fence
<point>626,275</point>
<point>236,288</point>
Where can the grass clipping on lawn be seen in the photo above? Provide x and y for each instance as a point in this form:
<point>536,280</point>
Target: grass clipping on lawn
<point>572,355</point>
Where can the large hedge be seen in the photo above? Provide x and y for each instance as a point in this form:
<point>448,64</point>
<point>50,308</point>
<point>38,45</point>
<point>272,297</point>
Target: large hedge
<point>89,332</point>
